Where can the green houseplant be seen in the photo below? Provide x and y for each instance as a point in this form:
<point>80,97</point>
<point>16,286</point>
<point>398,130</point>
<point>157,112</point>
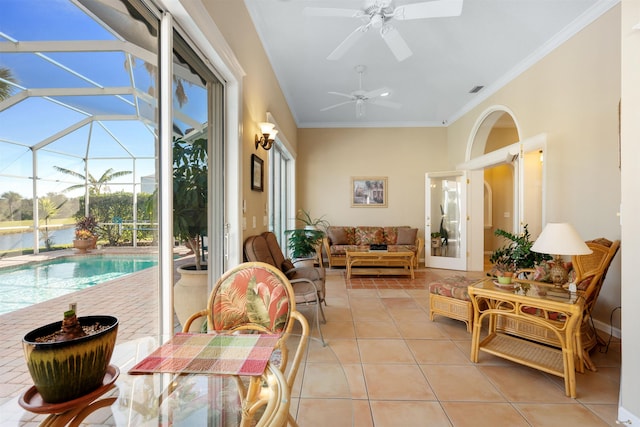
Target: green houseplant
<point>516,254</point>
<point>190,186</point>
<point>309,222</point>
<point>302,242</point>
<point>190,172</point>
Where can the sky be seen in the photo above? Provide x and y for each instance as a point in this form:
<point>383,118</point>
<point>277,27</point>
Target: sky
<point>34,120</point>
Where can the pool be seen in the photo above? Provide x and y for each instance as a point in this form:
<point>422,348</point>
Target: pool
<point>37,282</point>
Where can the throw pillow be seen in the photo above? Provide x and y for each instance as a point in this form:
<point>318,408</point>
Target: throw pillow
<point>407,236</point>
<point>338,235</point>
<point>369,235</point>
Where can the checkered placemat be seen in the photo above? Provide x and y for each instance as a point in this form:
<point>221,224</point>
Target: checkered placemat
<point>244,354</point>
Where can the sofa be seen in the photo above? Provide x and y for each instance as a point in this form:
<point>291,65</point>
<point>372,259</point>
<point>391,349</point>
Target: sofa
<point>339,239</point>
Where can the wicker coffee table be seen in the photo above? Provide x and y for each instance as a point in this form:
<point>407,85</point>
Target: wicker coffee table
<point>380,263</point>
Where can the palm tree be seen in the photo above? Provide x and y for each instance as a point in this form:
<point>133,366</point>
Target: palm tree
<point>48,210</point>
<point>12,198</point>
<point>95,185</point>
<point>5,88</point>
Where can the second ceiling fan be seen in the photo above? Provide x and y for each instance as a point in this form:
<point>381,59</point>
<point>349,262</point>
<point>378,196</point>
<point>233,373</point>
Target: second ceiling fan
<point>379,13</point>
<point>360,97</point>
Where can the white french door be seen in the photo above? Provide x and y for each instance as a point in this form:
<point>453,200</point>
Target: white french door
<point>446,215</point>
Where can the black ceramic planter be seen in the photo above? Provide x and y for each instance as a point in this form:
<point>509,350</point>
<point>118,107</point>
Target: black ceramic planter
<point>63,371</point>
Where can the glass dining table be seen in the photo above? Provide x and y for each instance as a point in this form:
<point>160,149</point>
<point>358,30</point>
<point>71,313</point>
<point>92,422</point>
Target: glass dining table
<point>163,399</point>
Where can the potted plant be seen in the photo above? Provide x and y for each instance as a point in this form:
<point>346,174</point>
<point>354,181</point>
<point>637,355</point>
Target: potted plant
<point>190,179</point>
<point>516,254</point>
<point>303,242</point>
<point>85,235</point>
<point>305,217</point>
<point>70,358</point>
<point>190,187</point>
<point>436,240</point>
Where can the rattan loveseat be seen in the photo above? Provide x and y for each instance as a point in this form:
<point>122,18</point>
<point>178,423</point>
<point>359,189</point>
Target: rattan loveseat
<point>340,239</point>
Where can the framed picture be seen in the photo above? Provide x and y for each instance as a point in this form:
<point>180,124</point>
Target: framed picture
<point>369,191</point>
<point>257,173</point>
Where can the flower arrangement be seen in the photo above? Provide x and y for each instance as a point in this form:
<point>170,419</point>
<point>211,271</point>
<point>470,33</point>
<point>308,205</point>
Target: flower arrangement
<point>84,234</point>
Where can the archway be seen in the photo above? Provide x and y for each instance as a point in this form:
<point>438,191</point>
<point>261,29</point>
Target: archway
<point>512,169</point>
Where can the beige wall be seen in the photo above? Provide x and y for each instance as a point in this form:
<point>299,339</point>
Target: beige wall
<point>261,93</point>
<point>572,95</point>
<point>328,158</point>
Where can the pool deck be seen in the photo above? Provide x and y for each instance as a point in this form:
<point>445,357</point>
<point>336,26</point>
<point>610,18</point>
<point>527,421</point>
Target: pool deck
<point>104,298</point>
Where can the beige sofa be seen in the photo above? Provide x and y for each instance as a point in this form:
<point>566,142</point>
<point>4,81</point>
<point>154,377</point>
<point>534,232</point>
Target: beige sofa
<point>339,239</point>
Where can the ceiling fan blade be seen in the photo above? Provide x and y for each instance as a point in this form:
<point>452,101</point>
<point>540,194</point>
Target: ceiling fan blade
<point>347,43</point>
<point>396,43</point>
<point>375,93</point>
<point>385,103</point>
<point>331,107</point>
<point>333,12</point>
<point>346,95</point>
<point>430,9</point>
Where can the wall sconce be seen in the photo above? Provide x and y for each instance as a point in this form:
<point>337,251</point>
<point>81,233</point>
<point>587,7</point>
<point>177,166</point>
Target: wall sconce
<point>268,131</point>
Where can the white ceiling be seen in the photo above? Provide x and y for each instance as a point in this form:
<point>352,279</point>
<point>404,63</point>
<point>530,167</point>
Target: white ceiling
<point>489,44</point>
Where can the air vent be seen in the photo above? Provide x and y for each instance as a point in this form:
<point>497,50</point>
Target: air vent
<point>476,89</point>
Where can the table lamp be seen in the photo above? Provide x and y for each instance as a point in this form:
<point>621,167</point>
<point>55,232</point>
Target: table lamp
<point>560,239</point>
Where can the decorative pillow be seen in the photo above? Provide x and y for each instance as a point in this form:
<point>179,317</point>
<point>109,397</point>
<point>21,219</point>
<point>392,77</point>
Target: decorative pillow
<point>390,235</point>
<point>367,235</point>
<point>407,236</point>
<point>338,235</point>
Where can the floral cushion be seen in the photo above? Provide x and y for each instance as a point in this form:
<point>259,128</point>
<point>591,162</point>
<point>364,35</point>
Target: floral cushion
<point>369,235</point>
<point>391,235</point>
<point>452,287</point>
<point>251,296</point>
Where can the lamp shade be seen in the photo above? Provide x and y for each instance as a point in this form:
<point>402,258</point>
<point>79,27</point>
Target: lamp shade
<point>560,239</point>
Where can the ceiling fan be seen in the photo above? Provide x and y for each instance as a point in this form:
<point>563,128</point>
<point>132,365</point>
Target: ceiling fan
<point>360,97</point>
<point>379,13</point>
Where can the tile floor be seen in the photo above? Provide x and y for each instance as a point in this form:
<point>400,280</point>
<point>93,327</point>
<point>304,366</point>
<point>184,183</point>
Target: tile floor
<point>401,368</point>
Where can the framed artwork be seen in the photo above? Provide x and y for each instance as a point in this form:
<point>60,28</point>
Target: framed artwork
<point>257,173</point>
<point>369,191</point>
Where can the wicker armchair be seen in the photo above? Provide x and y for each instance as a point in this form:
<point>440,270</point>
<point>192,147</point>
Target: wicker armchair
<point>255,296</point>
<point>590,271</point>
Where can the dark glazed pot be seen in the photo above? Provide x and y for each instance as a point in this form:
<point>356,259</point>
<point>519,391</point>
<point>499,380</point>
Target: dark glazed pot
<point>63,371</point>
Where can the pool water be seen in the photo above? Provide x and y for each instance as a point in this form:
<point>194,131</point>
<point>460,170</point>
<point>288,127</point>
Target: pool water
<point>38,282</point>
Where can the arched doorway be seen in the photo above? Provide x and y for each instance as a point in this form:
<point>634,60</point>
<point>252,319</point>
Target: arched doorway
<point>508,168</point>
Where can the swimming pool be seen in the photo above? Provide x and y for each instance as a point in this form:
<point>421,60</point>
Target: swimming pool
<point>37,282</point>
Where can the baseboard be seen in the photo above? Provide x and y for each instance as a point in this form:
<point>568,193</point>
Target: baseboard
<point>607,329</point>
<point>626,418</point>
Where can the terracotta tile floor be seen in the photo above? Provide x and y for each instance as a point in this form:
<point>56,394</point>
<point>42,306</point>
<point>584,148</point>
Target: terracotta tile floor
<point>402,369</point>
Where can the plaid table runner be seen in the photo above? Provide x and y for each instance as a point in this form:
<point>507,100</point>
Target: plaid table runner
<point>244,354</point>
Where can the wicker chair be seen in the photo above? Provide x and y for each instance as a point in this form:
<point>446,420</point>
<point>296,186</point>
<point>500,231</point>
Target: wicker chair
<point>255,296</point>
<point>590,271</point>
